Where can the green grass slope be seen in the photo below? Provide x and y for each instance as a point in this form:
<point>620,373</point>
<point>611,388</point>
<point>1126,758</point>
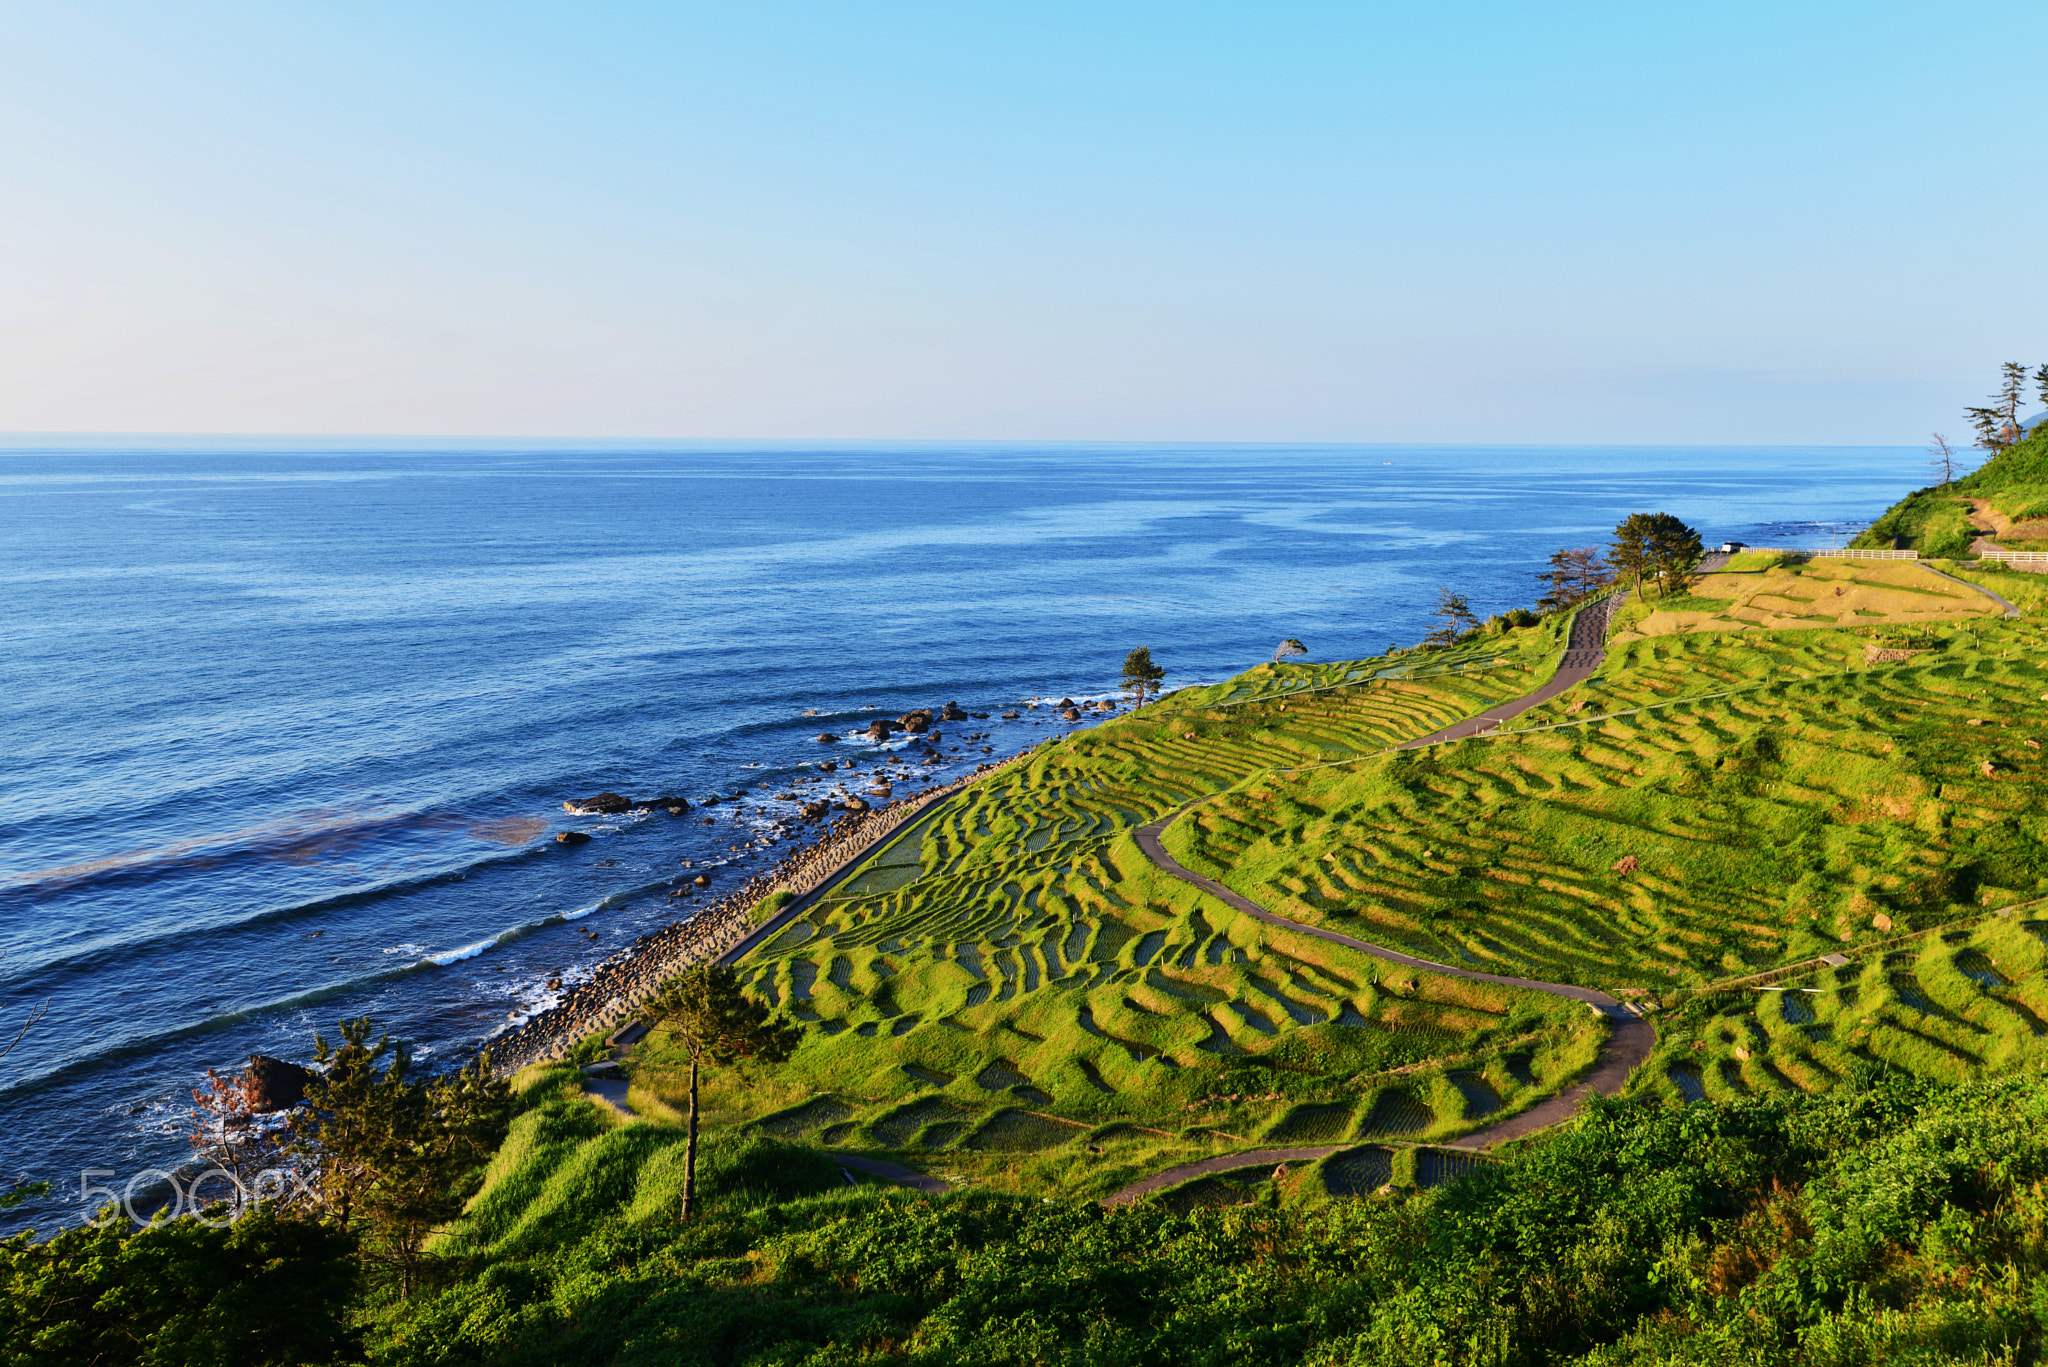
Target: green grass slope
<point>1935,521</point>
<point>1902,1223</point>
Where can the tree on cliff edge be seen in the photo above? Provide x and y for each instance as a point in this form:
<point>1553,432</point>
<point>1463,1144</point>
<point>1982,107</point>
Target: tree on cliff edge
<point>714,1021</point>
<point>1998,424</point>
<point>1141,676</point>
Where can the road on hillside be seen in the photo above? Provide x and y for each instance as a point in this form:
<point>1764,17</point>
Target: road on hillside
<point>1584,649</point>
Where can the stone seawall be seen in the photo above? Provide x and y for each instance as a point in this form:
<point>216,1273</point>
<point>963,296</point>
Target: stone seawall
<point>622,984</point>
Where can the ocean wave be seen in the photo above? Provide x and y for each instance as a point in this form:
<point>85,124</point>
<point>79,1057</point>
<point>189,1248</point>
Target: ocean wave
<point>302,837</point>
<point>115,1049</point>
<point>27,973</point>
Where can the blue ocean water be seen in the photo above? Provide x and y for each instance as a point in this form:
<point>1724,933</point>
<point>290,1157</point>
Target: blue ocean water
<point>286,727</point>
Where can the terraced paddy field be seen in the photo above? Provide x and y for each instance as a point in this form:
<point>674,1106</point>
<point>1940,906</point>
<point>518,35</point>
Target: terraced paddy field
<point>1664,843</point>
<point>1009,985</point>
<point>1777,593</point>
<point>1009,995</point>
<point>1947,1005</point>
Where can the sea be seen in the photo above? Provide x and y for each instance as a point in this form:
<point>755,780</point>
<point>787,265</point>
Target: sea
<point>286,725</point>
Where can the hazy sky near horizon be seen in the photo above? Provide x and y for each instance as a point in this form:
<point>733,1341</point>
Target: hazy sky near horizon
<point>1783,222</point>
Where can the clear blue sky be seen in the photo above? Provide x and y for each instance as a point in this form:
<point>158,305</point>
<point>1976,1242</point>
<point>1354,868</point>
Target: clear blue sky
<point>1776,222</point>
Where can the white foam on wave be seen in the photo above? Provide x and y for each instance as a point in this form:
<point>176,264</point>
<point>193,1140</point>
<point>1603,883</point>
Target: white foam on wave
<point>456,956</point>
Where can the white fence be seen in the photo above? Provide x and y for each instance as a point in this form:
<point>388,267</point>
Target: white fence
<point>2014,557</point>
<point>1864,555</point>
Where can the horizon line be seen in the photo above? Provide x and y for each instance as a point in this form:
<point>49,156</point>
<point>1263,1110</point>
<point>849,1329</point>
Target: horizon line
<point>7,438</point>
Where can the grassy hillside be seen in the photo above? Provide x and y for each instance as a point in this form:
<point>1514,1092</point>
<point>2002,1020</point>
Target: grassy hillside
<point>1935,521</point>
<point>1902,1223</point>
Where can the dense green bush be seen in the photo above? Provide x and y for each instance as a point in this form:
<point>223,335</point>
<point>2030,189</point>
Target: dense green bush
<point>266,1289</point>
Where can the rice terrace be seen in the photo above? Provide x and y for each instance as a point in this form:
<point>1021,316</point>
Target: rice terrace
<point>1782,832</point>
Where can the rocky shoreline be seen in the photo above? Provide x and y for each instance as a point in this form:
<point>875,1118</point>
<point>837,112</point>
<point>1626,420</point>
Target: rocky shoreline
<point>620,985</point>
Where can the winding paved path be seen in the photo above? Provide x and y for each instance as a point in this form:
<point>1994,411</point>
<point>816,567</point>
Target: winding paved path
<point>2010,609</point>
<point>1630,1038</point>
<point>1584,649</point>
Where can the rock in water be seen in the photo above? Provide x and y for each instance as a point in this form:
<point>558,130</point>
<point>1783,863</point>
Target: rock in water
<point>1072,714</point>
<point>275,1084</point>
<point>604,804</point>
<point>1064,703</point>
<point>827,738</point>
<point>571,838</point>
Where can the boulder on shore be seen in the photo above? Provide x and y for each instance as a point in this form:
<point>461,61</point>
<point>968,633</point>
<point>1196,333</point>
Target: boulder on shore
<point>275,1084</point>
<point>571,838</point>
<point>604,804</point>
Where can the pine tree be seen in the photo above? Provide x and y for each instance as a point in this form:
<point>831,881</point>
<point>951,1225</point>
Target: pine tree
<point>1658,546</point>
<point>1943,459</point>
<point>1141,675</point>
<point>1454,619</point>
<point>394,1159</point>
<point>717,1023</point>
<point>1576,573</point>
<point>1629,552</point>
<point>1675,552</point>
<point>1998,423</point>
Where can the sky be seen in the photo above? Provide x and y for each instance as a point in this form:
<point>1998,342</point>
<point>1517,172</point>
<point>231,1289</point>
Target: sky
<point>1740,223</point>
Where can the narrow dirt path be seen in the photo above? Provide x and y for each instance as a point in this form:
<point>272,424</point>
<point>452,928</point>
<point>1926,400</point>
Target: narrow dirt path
<point>1630,1038</point>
